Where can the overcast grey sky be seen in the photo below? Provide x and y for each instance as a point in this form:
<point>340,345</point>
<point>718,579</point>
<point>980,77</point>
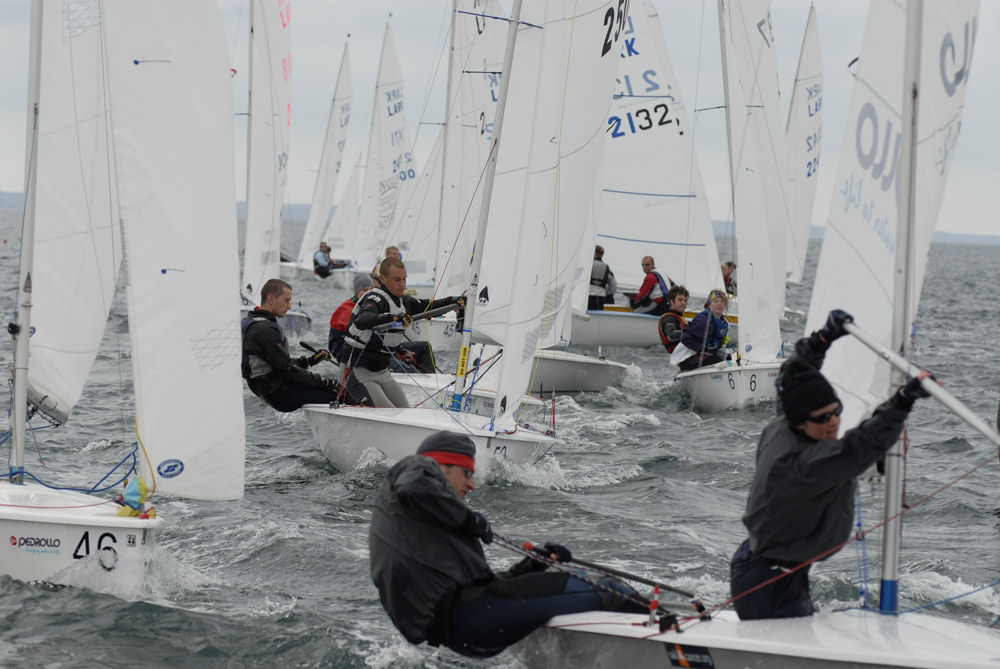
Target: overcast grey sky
<point>691,30</point>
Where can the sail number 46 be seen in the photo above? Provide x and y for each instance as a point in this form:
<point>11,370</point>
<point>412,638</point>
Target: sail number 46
<point>614,19</point>
<point>107,555</point>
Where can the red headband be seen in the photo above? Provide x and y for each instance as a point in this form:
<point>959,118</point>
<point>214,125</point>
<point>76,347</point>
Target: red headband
<point>451,458</point>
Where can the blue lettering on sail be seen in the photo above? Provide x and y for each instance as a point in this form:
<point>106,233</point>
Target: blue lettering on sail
<point>852,192</point>
<point>955,72</point>
<point>869,159</point>
<point>630,49</point>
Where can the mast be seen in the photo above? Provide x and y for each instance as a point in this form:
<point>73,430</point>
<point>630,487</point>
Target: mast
<point>902,291</point>
<point>723,13</point>
<point>484,210</point>
<point>247,296</point>
<point>21,327</point>
<point>449,107</point>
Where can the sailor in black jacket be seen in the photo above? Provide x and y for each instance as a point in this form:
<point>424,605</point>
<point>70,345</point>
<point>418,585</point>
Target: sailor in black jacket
<point>801,502</point>
<point>430,570</point>
<point>367,351</point>
<point>270,372</point>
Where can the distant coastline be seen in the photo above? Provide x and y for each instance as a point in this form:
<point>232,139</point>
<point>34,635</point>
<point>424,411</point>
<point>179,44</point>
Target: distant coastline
<point>299,212</point>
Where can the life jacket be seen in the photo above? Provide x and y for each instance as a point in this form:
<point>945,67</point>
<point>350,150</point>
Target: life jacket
<point>670,345</point>
<point>341,317</point>
<point>659,291</point>
<point>252,365</point>
<point>600,274</point>
<point>361,339</point>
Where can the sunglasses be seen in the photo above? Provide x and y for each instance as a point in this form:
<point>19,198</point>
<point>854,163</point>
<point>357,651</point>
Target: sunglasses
<point>465,471</point>
<point>825,417</point>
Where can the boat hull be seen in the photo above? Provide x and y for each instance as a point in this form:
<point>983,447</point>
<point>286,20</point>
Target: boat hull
<point>48,531</point>
<point>435,390</point>
<point>564,372</point>
<point>355,436</point>
<point>725,386</point>
<point>854,638</point>
<point>294,323</point>
<point>616,326</point>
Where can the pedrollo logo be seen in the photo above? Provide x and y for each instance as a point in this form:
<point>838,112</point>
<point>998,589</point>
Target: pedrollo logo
<point>168,469</point>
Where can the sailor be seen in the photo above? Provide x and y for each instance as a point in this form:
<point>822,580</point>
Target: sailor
<point>431,573</point>
<point>672,323</point>
<point>729,276</point>
<point>270,372</point>
<point>322,265</point>
<point>367,352</point>
<point>651,298</point>
<point>703,341</point>
<point>801,502</point>
<point>602,281</point>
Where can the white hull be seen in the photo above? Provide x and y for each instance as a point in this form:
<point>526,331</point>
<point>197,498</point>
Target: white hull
<point>294,271</point>
<point>46,531</point>
<point>626,328</point>
<point>441,333</point>
<point>294,323</point>
<point>434,390</point>
<point>854,638</point>
<point>351,436</point>
<point>728,386</point>
<point>341,278</point>
<point>564,372</point>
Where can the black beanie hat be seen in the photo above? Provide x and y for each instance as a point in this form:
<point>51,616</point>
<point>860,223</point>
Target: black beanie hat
<point>805,392</point>
<point>449,448</point>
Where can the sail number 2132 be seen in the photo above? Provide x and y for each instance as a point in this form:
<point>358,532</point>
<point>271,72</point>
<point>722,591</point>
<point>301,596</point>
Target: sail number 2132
<point>614,20</point>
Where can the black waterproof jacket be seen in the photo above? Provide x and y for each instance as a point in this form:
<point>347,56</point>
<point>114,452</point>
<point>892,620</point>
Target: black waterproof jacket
<point>420,548</point>
<point>267,367</point>
<point>801,502</point>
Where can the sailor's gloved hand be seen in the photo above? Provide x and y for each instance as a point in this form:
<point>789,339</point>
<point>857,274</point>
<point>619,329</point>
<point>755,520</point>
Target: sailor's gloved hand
<point>555,552</point>
<point>834,328</point>
<point>330,383</point>
<point>318,357</point>
<point>480,527</point>
<point>460,302</point>
<point>406,320</point>
<point>908,394</point>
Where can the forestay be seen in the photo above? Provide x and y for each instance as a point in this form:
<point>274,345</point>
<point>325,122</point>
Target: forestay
<point>651,200</point>
<point>330,161</point>
<point>751,155</point>
<point>342,233</point>
<point>77,236</point>
<point>803,132</point>
<point>580,48</point>
<point>268,133</point>
<point>170,91</point>
<point>855,270</point>
<point>390,158</point>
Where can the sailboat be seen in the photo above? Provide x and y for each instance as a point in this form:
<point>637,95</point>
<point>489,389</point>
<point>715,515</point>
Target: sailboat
<point>651,200</point>
<point>268,132</point>
<point>750,78</point>
<point>534,179</point>
<point>327,174</point>
<point>877,260</point>
<point>803,136</point>
<point>119,101</point>
<point>436,221</point>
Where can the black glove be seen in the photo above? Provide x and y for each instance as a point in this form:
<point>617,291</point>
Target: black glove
<point>908,394</point>
<point>460,302</point>
<point>478,526</point>
<point>834,328</point>
<point>561,552</point>
<point>406,320</point>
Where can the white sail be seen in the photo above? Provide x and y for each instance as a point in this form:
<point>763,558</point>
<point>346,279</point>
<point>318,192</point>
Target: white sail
<point>803,132</point>
<point>757,123</point>
<point>77,242</point>
<point>342,233</point>
<point>172,97</point>
<point>856,265</point>
<point>474,81</point>
<point>267,141</point>
<point>390,158</point>
<point>746,54</point>
<point>415,226</point>
<point>330,161</point>
<point>580,48</point>
<point>652,200</point>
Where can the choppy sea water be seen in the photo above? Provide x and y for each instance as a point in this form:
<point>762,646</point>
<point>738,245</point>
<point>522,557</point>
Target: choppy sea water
<point>639,481</point>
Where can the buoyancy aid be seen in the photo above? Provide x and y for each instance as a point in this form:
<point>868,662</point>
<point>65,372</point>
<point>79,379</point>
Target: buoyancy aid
<point>670,345</point>
<point>252,365</point>
<point>600,275</point>
<point>658,291</point>
<point>389,339</point>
